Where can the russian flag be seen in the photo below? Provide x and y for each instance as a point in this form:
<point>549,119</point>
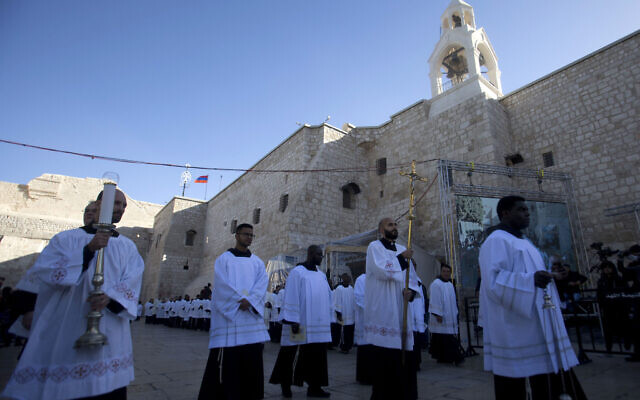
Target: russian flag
<point>202,179</point>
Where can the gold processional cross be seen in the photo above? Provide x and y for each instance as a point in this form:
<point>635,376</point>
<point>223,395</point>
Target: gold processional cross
<point>413,176</point>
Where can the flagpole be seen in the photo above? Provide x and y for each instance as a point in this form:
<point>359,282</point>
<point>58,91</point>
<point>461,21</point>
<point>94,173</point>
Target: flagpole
<point>206,186</point>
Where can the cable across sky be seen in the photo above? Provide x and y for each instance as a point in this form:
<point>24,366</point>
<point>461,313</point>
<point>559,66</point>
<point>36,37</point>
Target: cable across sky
<point>173,165</point>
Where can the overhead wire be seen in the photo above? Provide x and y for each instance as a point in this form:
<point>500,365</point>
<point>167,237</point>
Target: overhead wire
<point>197,167</point>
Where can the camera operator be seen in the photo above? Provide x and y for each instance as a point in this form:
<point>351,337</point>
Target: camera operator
<point>631,279</point>
<point>568,283</point>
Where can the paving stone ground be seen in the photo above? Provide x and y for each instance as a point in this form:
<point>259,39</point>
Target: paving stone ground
<point>169,364</point>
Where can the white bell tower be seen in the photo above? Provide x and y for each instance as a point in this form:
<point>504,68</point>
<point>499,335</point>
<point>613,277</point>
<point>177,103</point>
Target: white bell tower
<point>463,63</point>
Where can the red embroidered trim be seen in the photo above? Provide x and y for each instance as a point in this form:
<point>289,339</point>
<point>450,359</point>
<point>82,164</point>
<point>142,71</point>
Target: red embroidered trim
<point>77,372</point>
<point>383,331</point>
<point>124,289</point>
<point>58,274</point>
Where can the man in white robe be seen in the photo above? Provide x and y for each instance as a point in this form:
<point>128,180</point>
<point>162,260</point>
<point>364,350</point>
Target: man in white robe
<point>386,266</point>
<point>522,339</point>
<point>149,312</point>
<point>306,319</point>
<point>363,355</point>
<point>234,369</point>
<point>443,318</point>
<point>50,366</point>
<point>275,304</point>
<point>344,306</point>
<point>419,327</point>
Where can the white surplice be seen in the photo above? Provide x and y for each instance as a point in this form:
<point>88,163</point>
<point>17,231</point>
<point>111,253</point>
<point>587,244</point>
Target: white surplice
<point>520,338</point>
<point>343,302</point>
<point>50,367</point>
<point>442,302</point>
<point>417,310</point>
<point>237,278</point>
<point>307,301</point>
<point>149,309</point>
<point>358,297</point>
<point>383,297</point>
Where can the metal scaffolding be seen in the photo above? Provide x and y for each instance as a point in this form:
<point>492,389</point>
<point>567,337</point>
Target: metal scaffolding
<point>449,189</point>
<point>625,209</point>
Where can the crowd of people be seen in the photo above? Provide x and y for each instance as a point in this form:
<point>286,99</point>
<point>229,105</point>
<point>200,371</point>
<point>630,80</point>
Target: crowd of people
<point>387,313</point>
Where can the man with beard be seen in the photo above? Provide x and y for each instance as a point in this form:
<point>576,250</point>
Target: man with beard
<point>522,339</point>
<point>306,329</point>
<point>443,318</point>
<point>385,293</point>
<point>234,369</point>
<point>50,366</point>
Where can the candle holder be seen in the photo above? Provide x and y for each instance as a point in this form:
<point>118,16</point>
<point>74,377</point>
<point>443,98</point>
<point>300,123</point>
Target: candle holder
<point>92,336</point>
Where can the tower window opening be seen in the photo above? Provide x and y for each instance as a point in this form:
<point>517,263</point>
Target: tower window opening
<point>256,216</point>
<point>547,158</point>
<point>189,237</point>
<point>284,202</point>
<point>381,166</point>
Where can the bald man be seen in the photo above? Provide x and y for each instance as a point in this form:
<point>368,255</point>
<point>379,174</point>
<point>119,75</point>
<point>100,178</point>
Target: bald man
<point>50,367</point>
<point>385,292</point>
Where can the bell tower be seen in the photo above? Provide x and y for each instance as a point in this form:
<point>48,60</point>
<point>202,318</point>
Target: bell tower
<point>463,63</point>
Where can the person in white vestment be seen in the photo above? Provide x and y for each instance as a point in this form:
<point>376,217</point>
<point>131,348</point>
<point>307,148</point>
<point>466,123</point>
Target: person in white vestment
<point>274,304</point>
<point>139,311</point>
<point>149,312</point>
<point>306,319</point>
<point>419,326</point>
<point>50,366</point>
<point>522,339</point>
<point>237,334</point>
<point>343,304</point>
<point>363,352</point>
<point>443,319</point>
<point>386,266</point>
<point>336,328</point>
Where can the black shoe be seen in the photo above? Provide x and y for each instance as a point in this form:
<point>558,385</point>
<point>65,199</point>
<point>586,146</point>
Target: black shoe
<point>286,392</point>
<point>317,392</point>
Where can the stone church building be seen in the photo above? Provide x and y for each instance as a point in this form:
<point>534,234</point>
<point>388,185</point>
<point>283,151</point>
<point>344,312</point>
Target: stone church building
<point>580,121</point>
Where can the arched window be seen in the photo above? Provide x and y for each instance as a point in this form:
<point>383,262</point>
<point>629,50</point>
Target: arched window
<point>190,237</point>
<point>349,192</point>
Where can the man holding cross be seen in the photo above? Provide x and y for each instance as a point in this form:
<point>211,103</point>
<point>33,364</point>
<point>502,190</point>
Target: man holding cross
<point>386,264</point>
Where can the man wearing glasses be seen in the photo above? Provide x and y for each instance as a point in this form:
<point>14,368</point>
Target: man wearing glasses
<point>234,369</point>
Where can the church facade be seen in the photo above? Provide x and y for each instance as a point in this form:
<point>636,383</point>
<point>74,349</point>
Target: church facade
<point>581,120</point>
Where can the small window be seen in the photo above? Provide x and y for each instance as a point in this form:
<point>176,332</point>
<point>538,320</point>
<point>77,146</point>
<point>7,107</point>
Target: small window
<point>349,192</point>
<point>547,158</point>
<point>256,216</point>
<point>190,237</point>
<point>381,193</point>
<point>381,166</point>
<point>234,224</point>
<point>185,267</point>
<point>284,202</point>
<point>158,239</point>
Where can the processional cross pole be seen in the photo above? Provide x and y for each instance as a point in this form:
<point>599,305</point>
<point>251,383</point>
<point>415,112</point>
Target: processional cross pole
<point>413,177</point>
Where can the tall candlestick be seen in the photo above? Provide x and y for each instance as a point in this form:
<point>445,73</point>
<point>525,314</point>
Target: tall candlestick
<point>106,207</point>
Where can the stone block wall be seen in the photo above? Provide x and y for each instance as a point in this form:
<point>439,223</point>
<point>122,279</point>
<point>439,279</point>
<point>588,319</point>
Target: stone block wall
<point>587,115</point>
<point>165,273</point>
<point>31,214</point>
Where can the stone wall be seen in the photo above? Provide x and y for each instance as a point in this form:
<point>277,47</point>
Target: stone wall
<point>587,115</point>
<point>165,272</point>
<point>33,213</point>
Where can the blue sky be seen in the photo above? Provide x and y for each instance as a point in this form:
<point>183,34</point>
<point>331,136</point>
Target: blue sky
<point>220,83</point>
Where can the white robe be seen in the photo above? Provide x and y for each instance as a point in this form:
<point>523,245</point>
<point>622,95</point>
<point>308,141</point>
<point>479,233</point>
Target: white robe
<point>139,310</point>
<point>343,302</point>
<point>149,309</point>
<point>519,338</point>
<point>50,367</point>
<point>442,302</point>
<point>237,278</point>
<point>358,295</point>
<point>383,297</point>
<point>417,310</point>
<point>307,301</point>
